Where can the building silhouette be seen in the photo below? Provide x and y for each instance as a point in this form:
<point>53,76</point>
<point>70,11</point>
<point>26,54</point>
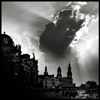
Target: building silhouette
<point>91,84</point>
<point>90,89</point>
<point>68,81</point>
<point>46,72</point>
<point>59,75</point>
<point>20,72</point>
<point>30,69</point>
<point>67,85</point>
<point>46,81</point>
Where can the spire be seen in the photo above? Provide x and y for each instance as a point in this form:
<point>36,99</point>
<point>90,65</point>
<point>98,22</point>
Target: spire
<point>59,72</point>
<point>46,72</point>
<point>69,66</point>
<point>33,55</point>
<point>69,73</point>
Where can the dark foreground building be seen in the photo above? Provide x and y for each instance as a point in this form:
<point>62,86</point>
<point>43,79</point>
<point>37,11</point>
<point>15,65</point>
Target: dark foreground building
<point>19,71</point>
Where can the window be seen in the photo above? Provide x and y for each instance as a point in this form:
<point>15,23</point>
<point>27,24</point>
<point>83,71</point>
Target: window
<point>5,40</point>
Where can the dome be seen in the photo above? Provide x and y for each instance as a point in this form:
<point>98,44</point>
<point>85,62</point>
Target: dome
<point>6,40</point>
<point>7,44</point>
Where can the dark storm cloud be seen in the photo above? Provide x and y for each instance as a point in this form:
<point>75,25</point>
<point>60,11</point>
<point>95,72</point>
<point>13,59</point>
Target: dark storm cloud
<point>56,38</point>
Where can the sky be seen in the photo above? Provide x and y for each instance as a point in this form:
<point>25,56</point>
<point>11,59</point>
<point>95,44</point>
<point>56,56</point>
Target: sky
<point>57,32</point>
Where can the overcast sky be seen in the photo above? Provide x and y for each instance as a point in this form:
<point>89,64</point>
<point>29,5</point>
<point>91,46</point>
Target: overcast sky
<point>65,40</point>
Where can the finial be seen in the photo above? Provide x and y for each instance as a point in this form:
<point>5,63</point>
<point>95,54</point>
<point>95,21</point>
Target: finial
<point>33,55</point>
<point>4,32</point>
<point>45,66</point>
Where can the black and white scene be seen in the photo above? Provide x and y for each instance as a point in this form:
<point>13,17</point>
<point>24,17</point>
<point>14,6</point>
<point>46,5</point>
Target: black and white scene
<point>50,50</point>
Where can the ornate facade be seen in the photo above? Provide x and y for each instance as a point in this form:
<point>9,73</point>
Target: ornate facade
<point>20,69</point>
<point>68,81</point>
<point>46,81</point>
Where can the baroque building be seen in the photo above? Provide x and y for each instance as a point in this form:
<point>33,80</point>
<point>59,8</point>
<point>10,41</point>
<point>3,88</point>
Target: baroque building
<point>19,69</point>
<point>68,81</point>
<point>68,87</point>
<point>46,81</point>
<point>30,71</point>
<point>10,55</point>
<point>59,75</point>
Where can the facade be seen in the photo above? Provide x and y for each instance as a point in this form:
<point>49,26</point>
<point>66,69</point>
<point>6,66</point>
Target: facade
<point>59,75</point>
<point>46,81</point>
<point>68,81</point>
<point>82,87</point>
<point>20,70</point>
<point>89,90</point>
<point>58,78</point>
<point>30,68</point>
<point>64,81</point>
<point>91,84</point>
<point>10,55</point>
<point>68,87</point>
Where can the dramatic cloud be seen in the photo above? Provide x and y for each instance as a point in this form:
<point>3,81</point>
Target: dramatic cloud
<point>57,37</point>
<point>57,32</point>
<point>72,36</point>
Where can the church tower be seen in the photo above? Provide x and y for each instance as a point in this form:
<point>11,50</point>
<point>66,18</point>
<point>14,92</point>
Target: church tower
<point>46,72</point>
<point>59,72</point>
<point>69,73</point>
